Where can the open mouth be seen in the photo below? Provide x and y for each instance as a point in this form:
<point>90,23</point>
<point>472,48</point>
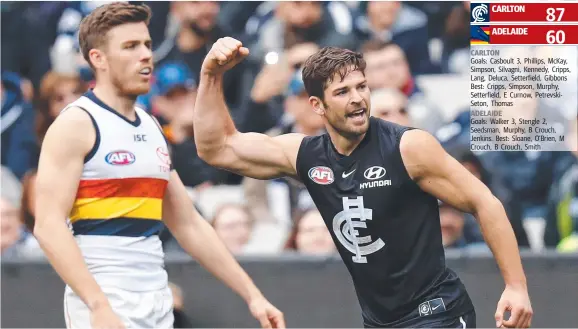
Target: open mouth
<point>146,72</point>
<point>357,114</point>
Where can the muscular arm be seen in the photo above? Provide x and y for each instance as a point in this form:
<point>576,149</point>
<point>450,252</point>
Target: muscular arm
<point>198,239</point>
<point>442,176</point>
<point>65,145</point>
<point>221,145</point>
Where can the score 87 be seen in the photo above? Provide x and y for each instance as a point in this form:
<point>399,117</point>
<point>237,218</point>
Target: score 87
<point>551,14</point>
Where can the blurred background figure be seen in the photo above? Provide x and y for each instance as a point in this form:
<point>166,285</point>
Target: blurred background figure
<point>394,21</point>
<point>56,91</point>
<point>458,229</point>
<point>391,105</point>
<point>19,151</point>
<point>310,235</point>
<point>387,67</point>
<point>233,225</point>
<point>16,240</point>
<point>191,29</point>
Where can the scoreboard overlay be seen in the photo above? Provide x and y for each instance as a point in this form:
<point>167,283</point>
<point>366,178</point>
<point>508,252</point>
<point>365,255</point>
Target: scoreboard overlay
<point>523,76</point>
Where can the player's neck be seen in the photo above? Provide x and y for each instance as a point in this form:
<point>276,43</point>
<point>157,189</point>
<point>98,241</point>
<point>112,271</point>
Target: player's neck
<point>345,145</point>
<point>122,104</point>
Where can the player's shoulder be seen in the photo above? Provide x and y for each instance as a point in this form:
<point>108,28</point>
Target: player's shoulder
<point>390,131</point>
<point>311,143</point>
<point>73,124</point>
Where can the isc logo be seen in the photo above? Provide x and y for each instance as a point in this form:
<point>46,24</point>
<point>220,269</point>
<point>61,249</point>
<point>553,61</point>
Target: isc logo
<point>321,175</point>
<point>120,158</point>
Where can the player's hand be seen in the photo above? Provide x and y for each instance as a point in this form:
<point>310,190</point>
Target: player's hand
<point>268,315</point>
<point>105,318</point>
<point>517,301</point>
<point>225,54</point>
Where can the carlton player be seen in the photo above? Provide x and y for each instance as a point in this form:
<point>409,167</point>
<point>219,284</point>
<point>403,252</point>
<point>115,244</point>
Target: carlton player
<point>105,164</point>
<point>376,185</point>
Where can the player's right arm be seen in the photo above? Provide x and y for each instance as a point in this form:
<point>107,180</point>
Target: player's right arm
<point>218,142</point>
<point>65,145</point>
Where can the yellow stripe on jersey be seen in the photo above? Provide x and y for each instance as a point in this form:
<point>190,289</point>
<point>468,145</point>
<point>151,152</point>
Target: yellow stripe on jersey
<point>107,208</point>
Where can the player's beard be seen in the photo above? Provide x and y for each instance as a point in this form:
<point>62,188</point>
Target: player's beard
<point>347,129</point>
<point>130,86</point>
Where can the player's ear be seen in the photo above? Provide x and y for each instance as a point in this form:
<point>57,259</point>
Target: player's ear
<point>97,58</point>
<point>317,105</point>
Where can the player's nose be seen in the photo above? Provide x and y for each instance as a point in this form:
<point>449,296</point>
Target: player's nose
<point>146,54</point>
<point>356,97</point>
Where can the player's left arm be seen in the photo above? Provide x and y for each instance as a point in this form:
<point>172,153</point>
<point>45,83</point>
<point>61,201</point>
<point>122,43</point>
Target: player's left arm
<point>198,239</point>
<point>442,176</point>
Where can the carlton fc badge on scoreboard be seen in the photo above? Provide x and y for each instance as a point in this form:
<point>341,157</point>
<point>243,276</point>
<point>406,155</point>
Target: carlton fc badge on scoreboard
<point>480,12</point>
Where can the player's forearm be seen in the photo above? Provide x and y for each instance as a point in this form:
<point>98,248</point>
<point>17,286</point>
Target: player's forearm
<point>65,257</point>
<point>501,239</point>
<point>212,121</point>
<point>202,243</point>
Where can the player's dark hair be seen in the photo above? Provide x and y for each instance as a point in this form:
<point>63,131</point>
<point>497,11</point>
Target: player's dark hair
<point>320,68</point>
<point>94,27</point>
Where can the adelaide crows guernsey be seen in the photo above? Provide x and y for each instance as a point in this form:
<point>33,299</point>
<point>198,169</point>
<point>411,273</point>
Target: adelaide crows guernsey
<point>387,229</point>
<point>117,213</point>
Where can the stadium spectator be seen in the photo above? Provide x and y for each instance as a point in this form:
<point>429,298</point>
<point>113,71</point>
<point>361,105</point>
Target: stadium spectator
<point>233,224</point>
<point>19,149</point>
<point>390,104</point>
<point>310,235</point>
<point>387,67</point>
<point>15,240</point>
<point>278,26</point>
<point>173,101</point>
<point>265,107</point>
<point>455,56</point>
<point>406,26</point>
<point>56,91</point>
<point>453,225</point>
<point>191,31</point>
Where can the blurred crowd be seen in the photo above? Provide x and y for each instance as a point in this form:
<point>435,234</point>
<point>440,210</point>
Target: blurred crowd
<point>406,45</point>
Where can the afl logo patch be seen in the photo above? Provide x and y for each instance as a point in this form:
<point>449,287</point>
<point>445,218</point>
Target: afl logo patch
<point>321,175</point>
<point>120,158</point>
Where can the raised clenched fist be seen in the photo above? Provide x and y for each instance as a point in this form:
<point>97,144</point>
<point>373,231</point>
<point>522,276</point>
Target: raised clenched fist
<point>225,54</point>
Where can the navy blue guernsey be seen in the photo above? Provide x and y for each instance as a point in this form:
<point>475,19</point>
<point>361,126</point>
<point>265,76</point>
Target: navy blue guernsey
<point>386,229</point>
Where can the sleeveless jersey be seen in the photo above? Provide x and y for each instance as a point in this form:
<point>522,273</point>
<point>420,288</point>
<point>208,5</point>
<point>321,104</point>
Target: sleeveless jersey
<point>387,230</point>
<point>117,213</point>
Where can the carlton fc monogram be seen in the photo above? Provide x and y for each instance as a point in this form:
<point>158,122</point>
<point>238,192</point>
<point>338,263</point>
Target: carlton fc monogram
<point>345,225</point>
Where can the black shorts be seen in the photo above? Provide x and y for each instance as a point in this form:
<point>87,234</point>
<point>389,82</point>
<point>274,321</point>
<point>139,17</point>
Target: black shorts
<point>467,320</point>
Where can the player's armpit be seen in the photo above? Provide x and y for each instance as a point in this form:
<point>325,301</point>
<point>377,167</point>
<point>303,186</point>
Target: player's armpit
<point>257,155</point>
<point>439,174</point>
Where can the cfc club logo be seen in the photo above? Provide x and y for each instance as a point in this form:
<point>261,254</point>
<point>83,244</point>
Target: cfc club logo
<point>120,158</point>
<point>374,172</point>
<point>480,13</point>
<point>346,224</point>
<point>321,175</point>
